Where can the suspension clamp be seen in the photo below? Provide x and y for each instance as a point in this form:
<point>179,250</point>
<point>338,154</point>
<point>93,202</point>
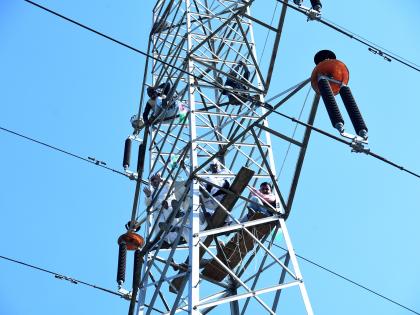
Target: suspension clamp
<point>358,147</point>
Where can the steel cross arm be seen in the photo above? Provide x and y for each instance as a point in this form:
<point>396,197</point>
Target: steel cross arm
<point>266,267</point>
<point>295,265</point>
<point>174,145</point>
<point>223,189</point>
<point>252,55</point>
<point>276,44</point>
<point>209,309</point>
<point>271,28</point>
<point>281,280</point>
<point>250,294</point>
<point>302,153</point>
<point>183,268</point>
<point>239,11</point>
<point>267,165</point>
<point>258,273</point>
<point>165,279</point>
<point>179,295</point>
<point>228,10</point>
<point>201,112</point>
<point>297,89</point>
<point>280,135</point>
<point>172,53</point>
<point>162,298</point>
<point>237,226</point>
<point>211,67</point>
<point>236,278</point>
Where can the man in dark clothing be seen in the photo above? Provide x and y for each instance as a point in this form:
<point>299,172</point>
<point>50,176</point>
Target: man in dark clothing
<point>236,98</point>
<point>157,102</point>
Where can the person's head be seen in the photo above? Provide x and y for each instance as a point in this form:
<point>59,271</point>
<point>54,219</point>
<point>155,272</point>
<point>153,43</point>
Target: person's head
<point>152,92</point>
<point>155,180</point>
<point>265,188</point>
<point>214,166</point>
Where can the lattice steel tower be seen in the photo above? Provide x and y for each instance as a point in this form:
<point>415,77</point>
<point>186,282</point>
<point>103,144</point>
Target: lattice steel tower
<point>206,251</point>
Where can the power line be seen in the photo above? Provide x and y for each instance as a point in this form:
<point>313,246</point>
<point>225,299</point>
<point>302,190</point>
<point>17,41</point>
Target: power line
<point>186,72</point>
<point>372,47</point>
<point>89,160</point>
<point>62,277</point>
<point>350,281</point>
<point>293,134</point>
<point>353,145</point>
<point>121,43</point>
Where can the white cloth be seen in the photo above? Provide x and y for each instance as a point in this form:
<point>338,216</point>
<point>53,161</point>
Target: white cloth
<point>162,112</point>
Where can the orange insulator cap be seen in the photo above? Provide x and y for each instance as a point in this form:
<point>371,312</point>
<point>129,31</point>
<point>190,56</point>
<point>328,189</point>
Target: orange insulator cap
<point>132,240</point>
<point>333,69</point>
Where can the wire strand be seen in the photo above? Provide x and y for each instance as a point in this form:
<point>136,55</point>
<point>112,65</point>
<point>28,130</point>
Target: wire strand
<point>351,144</point>
<point>374,48</point>
<point>349,280</point>
<point>293,134</point>
<point>94,162</point>
<point>62,277</point>
<point>122,43</point>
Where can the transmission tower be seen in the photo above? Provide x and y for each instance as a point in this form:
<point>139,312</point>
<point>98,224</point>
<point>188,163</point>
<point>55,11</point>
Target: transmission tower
<point>214,113</point>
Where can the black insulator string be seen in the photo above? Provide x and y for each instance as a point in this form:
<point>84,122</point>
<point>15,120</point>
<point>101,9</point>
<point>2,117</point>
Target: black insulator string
<point>351,144</point>
<point>349,280</point>
<point>124,44</point>
<point>374,48</point>
<point>92,161</point>
<point>122,261</point>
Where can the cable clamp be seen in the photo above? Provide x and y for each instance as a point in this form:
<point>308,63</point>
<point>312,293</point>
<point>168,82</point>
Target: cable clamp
<point>358,147</point>
<point>61,277</point>
<point>311,14</point>
<point>125,294</point>
<point>132,175</point>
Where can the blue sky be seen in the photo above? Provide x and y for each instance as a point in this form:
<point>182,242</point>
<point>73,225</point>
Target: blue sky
<point>73,89</point>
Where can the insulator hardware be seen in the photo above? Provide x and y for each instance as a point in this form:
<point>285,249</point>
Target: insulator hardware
<point>140,158</point>
<point>353,111</point>
<point>316,5</point>
<point>329,78</point>
<point>298,2</point>
<point>138,259</point>
<point>331,105</point>
<point>122,257</point>
<point>138,263</point>
<point>127,153</point>
<point>323,55</point>
<point>133,240</point>
<point>333,69</point>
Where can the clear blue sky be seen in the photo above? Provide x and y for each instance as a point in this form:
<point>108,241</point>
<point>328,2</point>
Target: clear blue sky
<point>68,87</point>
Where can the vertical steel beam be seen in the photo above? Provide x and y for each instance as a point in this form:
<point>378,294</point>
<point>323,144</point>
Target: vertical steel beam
<point>302,153</point>
<point>194,248</point>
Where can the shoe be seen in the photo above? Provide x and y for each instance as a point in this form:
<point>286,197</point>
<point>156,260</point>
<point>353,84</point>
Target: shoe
<point>165,245</point>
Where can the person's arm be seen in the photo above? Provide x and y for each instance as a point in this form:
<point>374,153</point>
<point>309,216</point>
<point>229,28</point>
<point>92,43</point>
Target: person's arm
<point>234,71</point>
<point>146,113</point>
<point>246,71</point>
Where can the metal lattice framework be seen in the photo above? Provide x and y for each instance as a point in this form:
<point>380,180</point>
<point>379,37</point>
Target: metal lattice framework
<point>197,46</point>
